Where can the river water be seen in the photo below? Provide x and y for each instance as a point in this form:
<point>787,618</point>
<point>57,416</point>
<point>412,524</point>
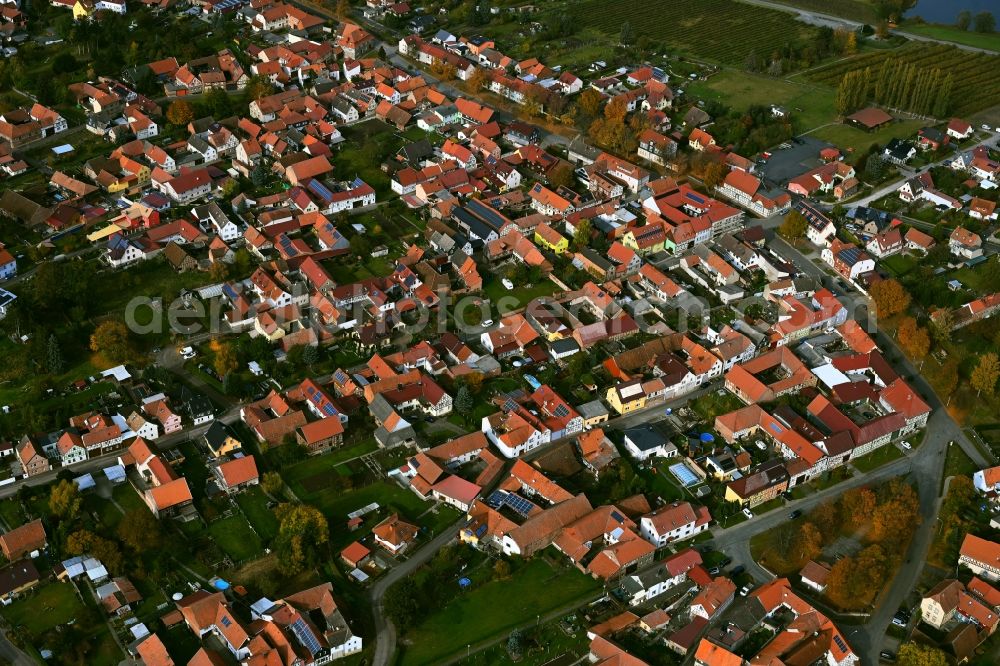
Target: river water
<point>946,11</point>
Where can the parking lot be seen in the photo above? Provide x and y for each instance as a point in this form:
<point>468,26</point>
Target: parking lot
<point>801,155</point>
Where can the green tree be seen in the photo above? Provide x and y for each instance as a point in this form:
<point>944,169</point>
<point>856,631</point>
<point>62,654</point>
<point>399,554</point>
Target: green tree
<point>65,500</point>
<point>984,22</point>
<point>403,604</point>
<point>562,175</point>
<point>626,35</point>
<point>581,234</point>
<point>964,20</point>
<point>984,377</point>
<point>54,358</point>
<point>310,355</point>
<point>794,226</point>
<point>463,402</point>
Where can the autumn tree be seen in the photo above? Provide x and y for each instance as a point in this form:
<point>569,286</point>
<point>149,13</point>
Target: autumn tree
<point>225,358</point>
<point>810,541</point>
<point>890,298</point>
<point>65,500</point>
<point>54,357</point>
<point>826,517</point>
<point>303,535</point>
<point>562,175</point>
<point>589,103</point>
<point>857,505</point>
<point>113,339</point>
<point>715,172</point>
<point>343,9</point>
<point>794,226</point>
<point>478,80</point>
<point>272,483</point>
<point>913,338</point>
<point>896,515</point>
<point>257,88</point>
<point>984,377</point>
<point>85,542</point>
<point>940,327</point>
<point>140,531</point>
<point>918,654</point>
<point>947,378</point>
<point>180,113</point>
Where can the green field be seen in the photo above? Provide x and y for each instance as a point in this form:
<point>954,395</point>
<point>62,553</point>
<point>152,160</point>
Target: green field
<point>976,85</point>
<point>718,30</point>
<point>853,140</point>
<point>494,608</point>
<point>810,105</point>
<point>951,33</point>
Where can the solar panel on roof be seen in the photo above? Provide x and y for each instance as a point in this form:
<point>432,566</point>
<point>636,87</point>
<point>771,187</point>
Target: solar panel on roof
<point>496,499</point>
<point>329,410</point>
<point>695,197</point>
<point>225,621</point>
<point>617,516</point>
<point>305,636</point>
<point>840,642</point>
<point>561,411</point>
<point>320,189</point>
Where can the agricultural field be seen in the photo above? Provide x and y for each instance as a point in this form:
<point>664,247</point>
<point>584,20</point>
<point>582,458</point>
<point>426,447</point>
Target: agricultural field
<point>810,105</point>
<point>718,30</point>
<point>976,86</point>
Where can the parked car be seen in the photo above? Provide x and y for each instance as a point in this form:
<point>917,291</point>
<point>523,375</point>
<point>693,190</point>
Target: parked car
<point>486,323</point>
<point>737,570</point>
<point>887,656</point>
<point>188,353</point>
<point>746,589</point>
<point>906,445</point>
<point>507,284</point>
<point>747,513</point>
<point>795,514</point>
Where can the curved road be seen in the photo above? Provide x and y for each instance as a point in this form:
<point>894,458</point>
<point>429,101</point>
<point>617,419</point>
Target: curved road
<point>821,19</point>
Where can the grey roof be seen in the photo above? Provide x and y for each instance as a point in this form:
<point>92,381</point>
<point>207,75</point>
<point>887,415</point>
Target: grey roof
<point>646,437</point>
<point>592,409</point>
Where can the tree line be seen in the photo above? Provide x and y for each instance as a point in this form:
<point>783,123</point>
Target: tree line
<point>897,84</point>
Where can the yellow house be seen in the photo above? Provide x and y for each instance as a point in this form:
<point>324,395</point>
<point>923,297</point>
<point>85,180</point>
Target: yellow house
<point>550,238</point>
<point>627,397</point>
<point>83,9</point>
<point>762,484</point>
<point>645,240</point>
<point>220,440</point>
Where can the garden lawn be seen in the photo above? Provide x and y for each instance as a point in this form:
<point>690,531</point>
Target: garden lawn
<point>495,291</point>
<point>44,608</point>
<point>253,502</point>
<point>712,404</point>
<point>316,465</point>
<point>235,537</point>
<point>126,496</point>
<point>877,458</point>
<point>900,264</point>
<point>854,140</point>
<point>336,503</point>
<point>810,105</point>
<point>495,608</point>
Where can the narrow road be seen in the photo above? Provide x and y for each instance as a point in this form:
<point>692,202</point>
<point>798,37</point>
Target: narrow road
<point>829,20</point>
<point>385,632</point>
